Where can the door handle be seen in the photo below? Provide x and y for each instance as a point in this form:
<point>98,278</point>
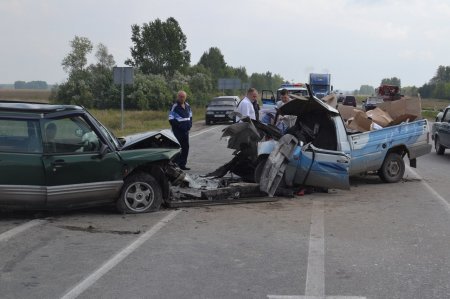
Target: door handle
<point>342,161</point>
<point>58,163</point>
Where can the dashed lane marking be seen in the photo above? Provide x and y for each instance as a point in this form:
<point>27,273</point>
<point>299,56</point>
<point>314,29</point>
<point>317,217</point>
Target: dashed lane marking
<point>204,131</point>
<point>315,273</point>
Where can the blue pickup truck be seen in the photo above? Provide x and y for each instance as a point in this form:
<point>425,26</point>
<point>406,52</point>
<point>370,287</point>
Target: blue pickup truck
<point>324,154</point>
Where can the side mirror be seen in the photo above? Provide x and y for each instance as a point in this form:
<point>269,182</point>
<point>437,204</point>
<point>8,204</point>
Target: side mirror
<point>104,149</point>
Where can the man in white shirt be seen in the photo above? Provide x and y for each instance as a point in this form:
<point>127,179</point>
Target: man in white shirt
<point>248,107</point>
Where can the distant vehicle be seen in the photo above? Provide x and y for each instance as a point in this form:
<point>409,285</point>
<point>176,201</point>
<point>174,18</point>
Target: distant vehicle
<point>349,101</point>
<point>219,108</point>
<point>440,132</point>
<point>371,103</point>
<point>340,98</point>
<point>269,100</point>
<point>320,84</point>
<point>389,92</point>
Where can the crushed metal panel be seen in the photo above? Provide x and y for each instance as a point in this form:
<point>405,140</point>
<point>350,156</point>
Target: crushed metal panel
<point>276,164</point>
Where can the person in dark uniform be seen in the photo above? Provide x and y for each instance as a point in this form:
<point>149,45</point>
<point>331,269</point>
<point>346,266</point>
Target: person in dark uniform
<point>180,118</point>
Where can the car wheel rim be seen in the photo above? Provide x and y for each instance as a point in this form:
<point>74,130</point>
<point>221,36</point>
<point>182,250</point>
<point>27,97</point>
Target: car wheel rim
<point>139,196</point>
<point>393,169</point>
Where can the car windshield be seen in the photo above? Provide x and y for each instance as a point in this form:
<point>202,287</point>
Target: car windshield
<point>222,103</point>
<point>113,139</point>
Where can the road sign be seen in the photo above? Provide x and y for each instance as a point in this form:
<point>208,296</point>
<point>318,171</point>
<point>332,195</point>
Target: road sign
<point>123,75</point>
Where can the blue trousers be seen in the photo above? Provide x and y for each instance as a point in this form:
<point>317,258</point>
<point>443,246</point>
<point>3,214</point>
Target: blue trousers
<point>183,139</point>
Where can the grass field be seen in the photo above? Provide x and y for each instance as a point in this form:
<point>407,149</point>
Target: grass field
<point>34,95</point>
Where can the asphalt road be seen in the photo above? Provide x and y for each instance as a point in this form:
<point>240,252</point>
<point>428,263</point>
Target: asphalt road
<point>375,241</point>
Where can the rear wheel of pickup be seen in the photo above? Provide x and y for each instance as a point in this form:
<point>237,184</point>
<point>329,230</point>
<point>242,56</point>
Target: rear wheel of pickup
<point>393,168</point>
<point>141,193</point>
<point>440,149</point>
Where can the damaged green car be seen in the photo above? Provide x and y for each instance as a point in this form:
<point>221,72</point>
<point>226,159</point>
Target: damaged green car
<point>60,156</point>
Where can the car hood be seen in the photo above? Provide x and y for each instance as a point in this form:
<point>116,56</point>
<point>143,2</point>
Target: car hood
<point>302,105</point>
<point>152,139</point>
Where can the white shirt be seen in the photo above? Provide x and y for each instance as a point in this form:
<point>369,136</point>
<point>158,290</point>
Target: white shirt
<point>245,108</point>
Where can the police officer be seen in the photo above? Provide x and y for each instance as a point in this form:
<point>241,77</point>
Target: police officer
<point>180,118</point>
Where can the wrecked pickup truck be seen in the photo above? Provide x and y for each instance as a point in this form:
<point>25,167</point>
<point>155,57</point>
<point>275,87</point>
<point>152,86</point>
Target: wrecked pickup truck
<point>319,151</point>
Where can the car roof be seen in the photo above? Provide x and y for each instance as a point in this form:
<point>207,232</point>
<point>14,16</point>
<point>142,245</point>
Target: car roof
<point>38,108</point>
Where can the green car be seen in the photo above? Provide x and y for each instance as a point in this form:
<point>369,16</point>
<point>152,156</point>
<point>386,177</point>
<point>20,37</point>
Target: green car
<point>60,156</point>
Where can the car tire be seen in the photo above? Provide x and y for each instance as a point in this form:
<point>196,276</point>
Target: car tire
<point>140,193</point>
<point>440,149</point>
<point>207,122</point>
<point>393,168</point>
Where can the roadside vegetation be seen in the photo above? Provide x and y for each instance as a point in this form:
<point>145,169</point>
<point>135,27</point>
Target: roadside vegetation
<point>162,66</point>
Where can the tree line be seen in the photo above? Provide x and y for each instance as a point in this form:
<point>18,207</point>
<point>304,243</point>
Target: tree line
<point>162,66</point>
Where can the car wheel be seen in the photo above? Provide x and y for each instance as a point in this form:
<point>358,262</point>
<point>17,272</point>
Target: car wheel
<point>207,122</point>
<point>141,193</point>
<point>440,149</point>
<point>393,168</point>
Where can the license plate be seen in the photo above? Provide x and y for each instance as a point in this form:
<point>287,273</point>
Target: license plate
<point>219,115</point>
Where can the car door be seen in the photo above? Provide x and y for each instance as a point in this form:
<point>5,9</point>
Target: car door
<point>322,168</point>
<point>76,171</point>
<point>22,176</point>
<point>444,129</point>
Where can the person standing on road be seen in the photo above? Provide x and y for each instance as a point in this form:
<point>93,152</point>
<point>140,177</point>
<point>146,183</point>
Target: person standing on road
<point>249,107</point>
<point>285,121</point>
<point>180,118</point>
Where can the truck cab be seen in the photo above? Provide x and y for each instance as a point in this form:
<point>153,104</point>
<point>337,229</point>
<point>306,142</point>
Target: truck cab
<point>320,84</point>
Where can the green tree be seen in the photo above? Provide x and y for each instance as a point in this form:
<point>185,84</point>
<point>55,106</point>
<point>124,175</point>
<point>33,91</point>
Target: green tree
<point>366,90</point>
<point>214,61</point>
<point>268,81</point>
<point>76,60</point>
<point>150,92</point>
<point>105,93</point>
<point>159,48</point>
<point>391,81</point>
<point>442,75</point>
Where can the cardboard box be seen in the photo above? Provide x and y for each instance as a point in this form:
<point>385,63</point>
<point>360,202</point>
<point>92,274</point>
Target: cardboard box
<point>347,111</point>
<point>330,100</point>
<point>380,117</point>
<point>405,109</point>
<point>360,122</point>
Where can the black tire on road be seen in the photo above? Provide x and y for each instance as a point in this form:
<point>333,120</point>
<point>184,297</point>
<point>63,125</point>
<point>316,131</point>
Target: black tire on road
<point>140,193</point>
<point>207,122</point>
<point>440,149</point>
<point>393,168</point>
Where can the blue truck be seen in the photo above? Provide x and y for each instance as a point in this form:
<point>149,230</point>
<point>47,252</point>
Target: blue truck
<point>324,154</point>
<point>320,84</point>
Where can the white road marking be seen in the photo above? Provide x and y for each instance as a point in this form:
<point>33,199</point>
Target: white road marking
<point>313,297</point>
<point>315,273</point>
<point>434,192</point>
<point>19,229</point>
<point>116,259</point>
<point>204,131</point>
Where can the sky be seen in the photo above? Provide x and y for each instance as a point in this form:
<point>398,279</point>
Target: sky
<point>358,42</point>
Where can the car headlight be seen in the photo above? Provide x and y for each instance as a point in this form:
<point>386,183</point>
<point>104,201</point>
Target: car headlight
<point>209,112</point>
